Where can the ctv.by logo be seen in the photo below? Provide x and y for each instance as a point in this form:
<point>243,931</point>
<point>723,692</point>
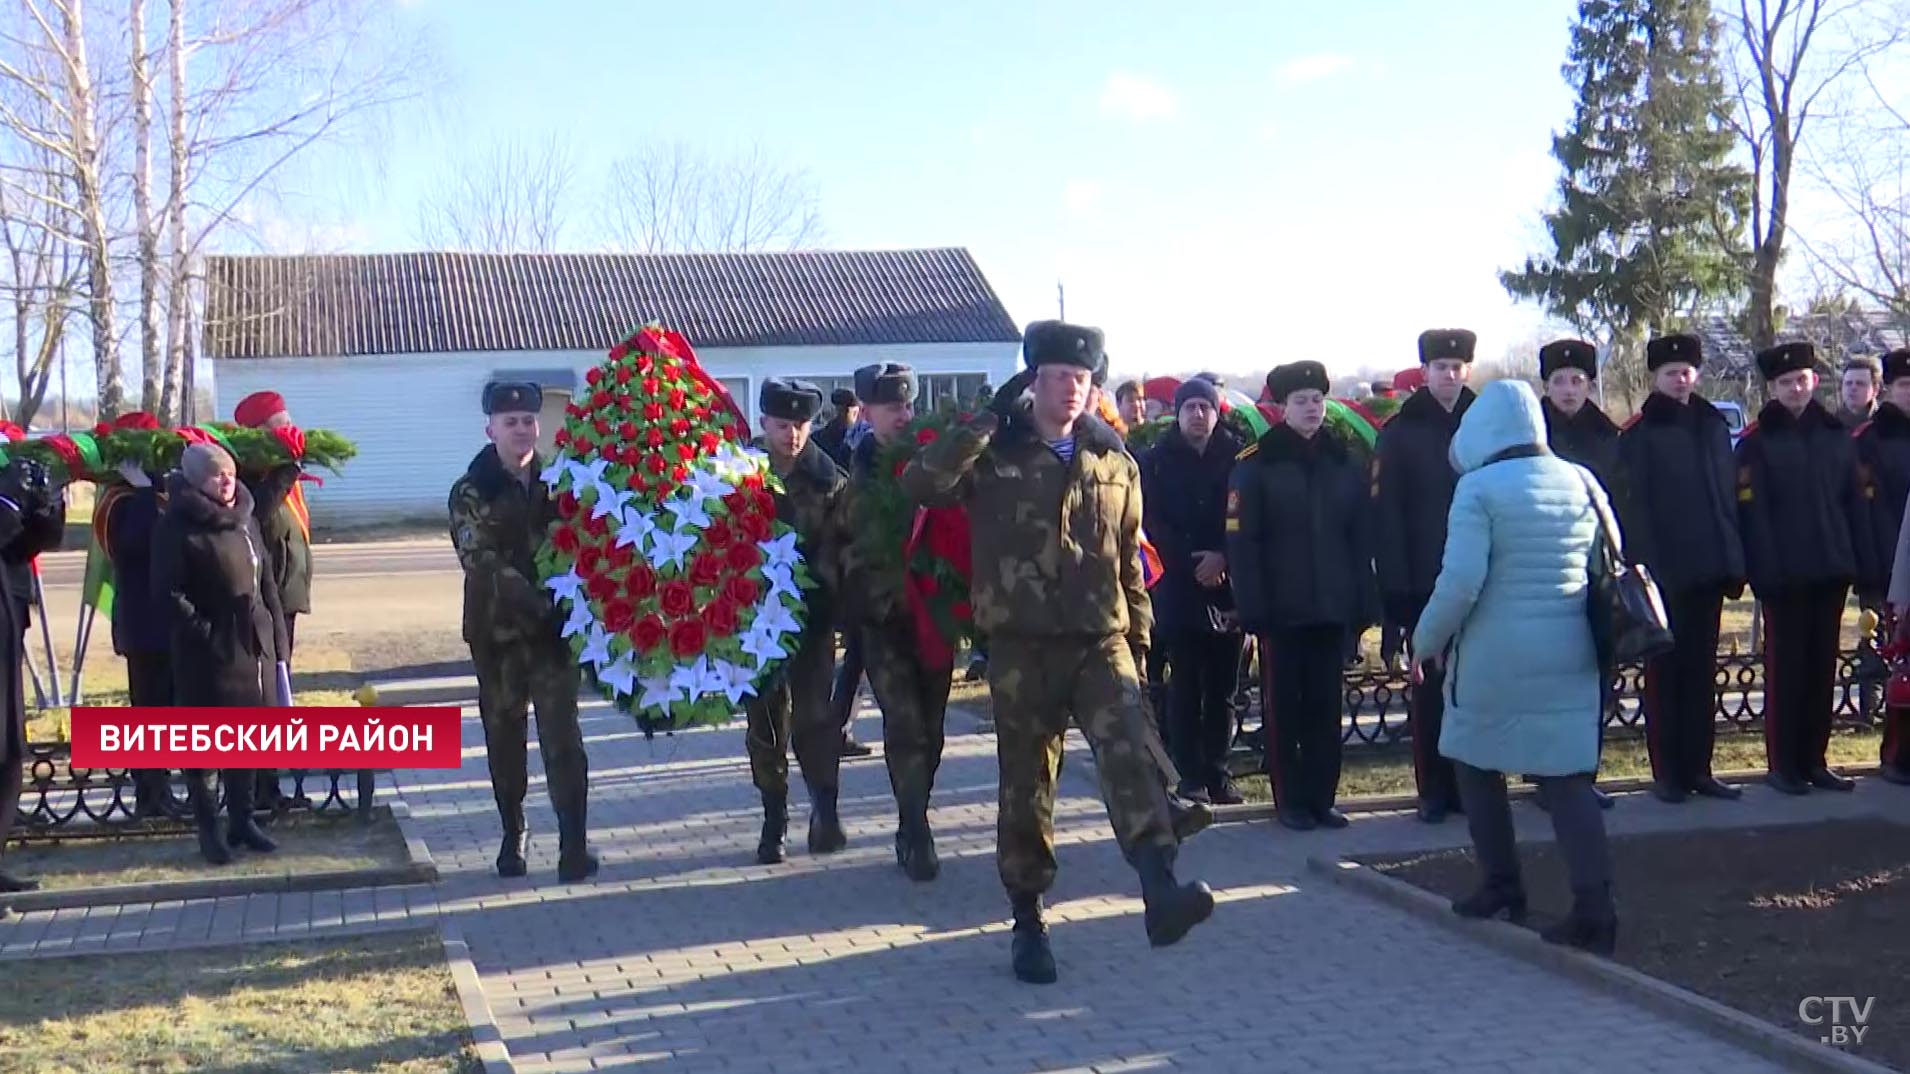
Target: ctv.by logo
<point>1846,1020</point>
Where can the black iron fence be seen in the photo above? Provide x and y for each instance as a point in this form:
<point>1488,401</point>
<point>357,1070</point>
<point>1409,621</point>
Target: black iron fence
<point>61,800</point>
<point>1377,701</point>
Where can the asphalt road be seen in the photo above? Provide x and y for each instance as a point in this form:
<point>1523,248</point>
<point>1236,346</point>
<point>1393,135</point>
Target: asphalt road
<point>334,562</point>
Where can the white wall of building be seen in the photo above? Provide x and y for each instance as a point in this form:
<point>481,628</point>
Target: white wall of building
<point>416,421</point>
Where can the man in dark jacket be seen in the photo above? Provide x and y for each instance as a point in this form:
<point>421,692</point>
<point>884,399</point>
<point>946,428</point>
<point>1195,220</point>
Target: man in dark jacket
<point>833,437</point>
<point>129,515</point>
<point>1883,461</point>
<point>499,513</point>
<point>28,502</point>
<point>1413,479</point>
<point>1184,493</point>
<point>1857,390</point>
<point>1681,521</point>
<point>794,710</point>
<point>1806,541</point>
<point>1299,544</point>
<point>1578,431</point>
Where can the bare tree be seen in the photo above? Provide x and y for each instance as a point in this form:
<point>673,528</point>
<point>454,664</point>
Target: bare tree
<point>1789,56</point>
<point>1866,169</point>
<point>41,278</point>
<point>58,77</point>
<point>671,198</point>
<point>512,197</point>
<point>146,225</point>
<point>274,78</point>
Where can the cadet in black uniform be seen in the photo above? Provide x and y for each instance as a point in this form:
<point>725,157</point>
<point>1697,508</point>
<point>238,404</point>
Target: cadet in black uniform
<point>1883,461</point>
<point>1681,522</point>
<point>1413,479</point>
<point>1806,540</point>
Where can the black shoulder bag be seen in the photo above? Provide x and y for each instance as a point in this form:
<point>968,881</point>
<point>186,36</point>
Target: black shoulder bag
<point>1627,611</point>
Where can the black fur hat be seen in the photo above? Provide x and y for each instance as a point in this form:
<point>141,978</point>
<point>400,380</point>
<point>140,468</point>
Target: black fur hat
<point>512,396</point>
<point>1446,343</point>
<point>1061,343</point>
<point>791,400</point>
<point>1297,377</point>
<point>1568,354</point>
<point>885,382</point>
<point>1785,358</point>
<point>1896,364</point>
<point>1677,347</point>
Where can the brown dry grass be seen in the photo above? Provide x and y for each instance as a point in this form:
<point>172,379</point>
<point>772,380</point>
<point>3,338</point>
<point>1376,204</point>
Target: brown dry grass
<point>307,845</point>
<point>382,1004</point>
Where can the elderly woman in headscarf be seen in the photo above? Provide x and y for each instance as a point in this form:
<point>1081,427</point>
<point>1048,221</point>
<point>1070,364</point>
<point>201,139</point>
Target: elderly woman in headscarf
<point>212,576</point>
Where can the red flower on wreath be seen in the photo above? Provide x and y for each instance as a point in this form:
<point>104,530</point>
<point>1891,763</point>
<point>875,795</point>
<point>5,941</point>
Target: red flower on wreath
<point>624,373</point>
<point>706,569</point>
<point>597,525</point>
<point>628,430</point>
<point>717,534</point>
<point>593,376</point>
<point>654,438</point>
<point>686,452</point>
<point>927,584</point>
<point>565,540</point>
<point>566,506</point>
<point>720,617</point>
<point>677,398</point>
<point>743,557</point>
<point>963,612</point>
<point>688,638</point>
<point>676,598</point>
<point>656,465</point>
<point>926,436</point>
<point>602,425</point>
<point>619,615</point>
<point>710,442</point>
<point>621,556</point>
<point>562,439</point>
<point>653,411</point>
<point>589,562</point>
<point>601,588</point>
<point>648,633</point>
<point>742,589</point>
<point>679,473</point>
<point>652,385</point>
<point>641,583</point>
<point>901,465</point>
<point>600,400</point>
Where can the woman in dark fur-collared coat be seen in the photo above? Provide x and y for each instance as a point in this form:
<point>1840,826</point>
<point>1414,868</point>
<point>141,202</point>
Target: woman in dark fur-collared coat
<point>211,574</point>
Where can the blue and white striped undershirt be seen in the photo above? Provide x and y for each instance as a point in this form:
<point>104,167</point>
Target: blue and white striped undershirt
<point>1064,448</point>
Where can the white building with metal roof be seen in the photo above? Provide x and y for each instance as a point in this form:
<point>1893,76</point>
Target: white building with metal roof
<point>393,350</point>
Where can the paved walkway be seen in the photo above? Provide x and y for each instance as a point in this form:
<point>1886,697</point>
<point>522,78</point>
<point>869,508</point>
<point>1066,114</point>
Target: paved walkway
<point>684,955</point>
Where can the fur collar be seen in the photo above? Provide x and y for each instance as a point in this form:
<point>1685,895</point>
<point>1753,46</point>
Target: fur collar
<point>1422,407</point>
<point>487,472</point>
<point>812,462</point>
<point>1282,444</point>
<point>200,512</point>
<point>1588,419</point>
<point>1659,409</point>
<point>1776,418</point>
<point>1890,422</point>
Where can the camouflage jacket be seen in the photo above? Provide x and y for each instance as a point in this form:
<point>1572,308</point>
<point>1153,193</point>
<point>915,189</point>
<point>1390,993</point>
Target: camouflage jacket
<point>811,503</point>
<point>869,559</point>
<point>1056,544</point>
<point>497,524</point>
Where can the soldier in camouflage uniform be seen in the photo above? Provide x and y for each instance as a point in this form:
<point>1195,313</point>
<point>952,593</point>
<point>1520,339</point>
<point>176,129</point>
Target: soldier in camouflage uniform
<point>913,697</point>
<point>1055,504</point>
<point>796,706</point>
<point>499,514</point>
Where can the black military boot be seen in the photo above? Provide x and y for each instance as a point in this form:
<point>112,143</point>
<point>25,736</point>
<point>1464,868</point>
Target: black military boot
<point>1033,958</point>
<point>825,827</point>
<point>150,792</point>
<point>1710,786</point>
<point>241,827</point>
<point>1825,780</point>
<point>576,859</point>
<point>1172,908</point>
<point>915,848</point>
<point>205,818</point>
<point>1500,895</point>
<point>1892,774</point>
<point>1667,791</point>
<point>1189,817</point>
<point>1783,783</point>
<point>769,845</point>
<point>513,852</point>
<point>1591,926</point>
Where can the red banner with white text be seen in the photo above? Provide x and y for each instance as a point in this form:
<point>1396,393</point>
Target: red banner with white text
<point>317,737</point>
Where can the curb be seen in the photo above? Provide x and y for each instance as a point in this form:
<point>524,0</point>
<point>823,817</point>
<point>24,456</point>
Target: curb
<point>421,869</point>
<point>1699,1012</point>
<point>492,1053</point>
<point>1396,803</point>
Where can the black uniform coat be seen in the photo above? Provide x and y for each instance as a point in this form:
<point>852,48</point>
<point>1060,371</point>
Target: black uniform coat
<point>41,531</point>
<point>139,616</point>
<point>286,546</point>
<point>1184,511</point>
<point>21,538</point>
<point>1800,502</point>
<point>1678,504</point>
<point>1588,438</point>
<point>1300,534</point>
<point>211,572</point>
<point>1883,462</point>
<point>1413,479</point>
<point>833,440</point>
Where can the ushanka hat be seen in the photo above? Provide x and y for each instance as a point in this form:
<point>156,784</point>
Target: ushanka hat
<point>1896,364</point>
<point>1678,347</point>
<point>1296,377</point>
<point>885,382</point>
<point>512,397</point>
<point>1786,358</point>
<point>1061,343</point>
<point>1568,354</point>
<point>1443,343</point>
<point>790,400</point>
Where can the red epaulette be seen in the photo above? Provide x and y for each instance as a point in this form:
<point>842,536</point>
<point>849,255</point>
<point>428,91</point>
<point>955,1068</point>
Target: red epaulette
<point>1631,421</point>
<point>1748,430</point>
<point>1859,430</point>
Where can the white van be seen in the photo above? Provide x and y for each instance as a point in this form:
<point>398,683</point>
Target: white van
<point>1733,418</point>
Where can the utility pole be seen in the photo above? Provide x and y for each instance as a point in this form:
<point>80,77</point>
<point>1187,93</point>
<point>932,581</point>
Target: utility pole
<point>1061,300</point>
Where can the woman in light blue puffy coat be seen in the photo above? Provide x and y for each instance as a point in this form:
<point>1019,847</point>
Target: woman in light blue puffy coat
<point>1509,621</point>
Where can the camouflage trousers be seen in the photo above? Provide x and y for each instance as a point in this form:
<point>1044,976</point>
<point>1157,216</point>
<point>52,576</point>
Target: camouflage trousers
<point>513,679</point>
<point>914,702</point>
<point>1036,686</point>
<point>794,709</point>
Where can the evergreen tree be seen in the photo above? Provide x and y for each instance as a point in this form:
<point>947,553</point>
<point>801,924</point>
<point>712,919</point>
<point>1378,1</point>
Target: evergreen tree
<point>1650,205</point>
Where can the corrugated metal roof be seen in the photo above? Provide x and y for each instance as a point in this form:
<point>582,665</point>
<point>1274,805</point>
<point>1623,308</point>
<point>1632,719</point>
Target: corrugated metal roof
<point>363,304</point>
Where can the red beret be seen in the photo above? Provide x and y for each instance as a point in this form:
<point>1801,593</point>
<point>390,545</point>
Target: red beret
<point>137,419</point>
<point>256,409</point>
<point>1409,380</point>
<point>10,431</point>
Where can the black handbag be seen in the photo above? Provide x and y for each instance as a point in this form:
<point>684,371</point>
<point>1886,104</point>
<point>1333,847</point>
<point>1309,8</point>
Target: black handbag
<point>1629,623</point>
